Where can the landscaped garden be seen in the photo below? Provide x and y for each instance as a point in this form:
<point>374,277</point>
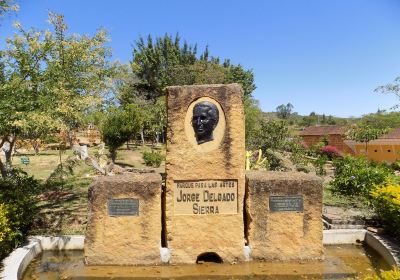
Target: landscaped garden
<point>70,113</point>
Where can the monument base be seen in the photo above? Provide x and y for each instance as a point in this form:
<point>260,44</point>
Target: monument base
<point>124,220</point>
<point>284,215</point>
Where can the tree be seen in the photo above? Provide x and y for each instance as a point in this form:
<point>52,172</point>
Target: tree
<point>78,73</point>
<point>119,127</point>
<point>7,6</point>
<point>166,62</point>
<point>253,120</point>
<point>273,135</point>
<point>284,111</point>
<point>364,134</point>
<point>393,88</point>
<point>50,80</point>
<point>381,120</point>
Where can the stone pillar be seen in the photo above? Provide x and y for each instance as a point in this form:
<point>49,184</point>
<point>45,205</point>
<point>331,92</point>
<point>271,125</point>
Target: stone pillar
<point>124,220</point>
<point>284,215</point>
<point>205,172</point>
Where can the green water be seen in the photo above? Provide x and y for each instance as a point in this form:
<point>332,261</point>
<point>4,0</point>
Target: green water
<point>341,262</point>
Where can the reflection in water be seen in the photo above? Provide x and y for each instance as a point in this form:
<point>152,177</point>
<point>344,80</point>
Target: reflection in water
<point>341,262</point>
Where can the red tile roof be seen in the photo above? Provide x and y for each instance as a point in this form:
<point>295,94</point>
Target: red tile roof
<point>324,130</point>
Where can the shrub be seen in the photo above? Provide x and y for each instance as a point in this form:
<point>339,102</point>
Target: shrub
<point>331,152</point>
<point>356,176</point>
<point>393,274</point>
<point>5,229</point>
<point>152,158</point>
<point>396,165</point>
<point>18,192</point>
<point>386,201</point>
<point>319,165</point>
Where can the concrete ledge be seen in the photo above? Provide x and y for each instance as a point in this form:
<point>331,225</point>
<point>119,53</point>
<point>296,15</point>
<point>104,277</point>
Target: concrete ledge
<point>343,236</point>
<point>386,248</point>
<point>15,264</point>
<point>65,242</point>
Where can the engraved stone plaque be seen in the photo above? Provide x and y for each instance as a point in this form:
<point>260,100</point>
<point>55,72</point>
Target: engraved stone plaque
<point>286,203</point>
<point>123,207</point>
<point>206,197</point>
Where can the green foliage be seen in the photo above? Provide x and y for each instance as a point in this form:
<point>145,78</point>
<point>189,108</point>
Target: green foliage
<point>298,154</point>
<point>315,119</point>
<point>319,165</point>
<point>51,79</point>
<point>393,88</point>
<point>7,6</point>
<point>152,158</point>
<point>237,74</point>
<point>18,195</point>
<point>284,111</point>
<point>154,118</point>
<point>273,135</point>
<point>165,61</point>
<point>253,119</point>
<point>356,176</point>
<point>381,120</point>
<point>364,133</point>
<point>120,126</point>
<point>5,229</point>
<point>274,160</point>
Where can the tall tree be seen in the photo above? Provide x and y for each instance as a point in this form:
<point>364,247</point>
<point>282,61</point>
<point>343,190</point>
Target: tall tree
<point>165,61</point>
<point>283,111</point>
<point>78,72</point>
<point>119,126</point>
<point>50,80</point>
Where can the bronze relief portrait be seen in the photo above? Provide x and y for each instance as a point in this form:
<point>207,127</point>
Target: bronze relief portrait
<point>204,121</point>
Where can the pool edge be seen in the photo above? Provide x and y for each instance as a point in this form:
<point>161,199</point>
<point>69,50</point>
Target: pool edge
<point>15,264</point>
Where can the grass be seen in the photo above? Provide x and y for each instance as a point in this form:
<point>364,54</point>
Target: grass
<point>331,199</point>
<point>63,206</point>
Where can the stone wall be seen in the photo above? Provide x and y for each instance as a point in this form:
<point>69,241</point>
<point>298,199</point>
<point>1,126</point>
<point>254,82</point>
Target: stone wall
<point>284,215</point>
<point>333,140</point>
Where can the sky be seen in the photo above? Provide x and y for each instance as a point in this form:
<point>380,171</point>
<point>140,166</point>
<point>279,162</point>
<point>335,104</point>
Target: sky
<point>321,56</point>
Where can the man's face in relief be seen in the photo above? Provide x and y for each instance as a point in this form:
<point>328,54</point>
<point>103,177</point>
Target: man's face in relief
<point>205,119</point>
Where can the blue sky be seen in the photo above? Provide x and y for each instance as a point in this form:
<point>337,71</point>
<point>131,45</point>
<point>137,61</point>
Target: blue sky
<point>322,56</point>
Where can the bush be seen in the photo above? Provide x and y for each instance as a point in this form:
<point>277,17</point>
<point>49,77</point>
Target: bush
<point>386,201</point>
<point>356,176</point>
<point>152,158</point>
<point>319,165</point>
<point>396,165</point>
<point>18,194</point>
<point>331,152</point>
<point>393,274</point>
<point>5,229</point>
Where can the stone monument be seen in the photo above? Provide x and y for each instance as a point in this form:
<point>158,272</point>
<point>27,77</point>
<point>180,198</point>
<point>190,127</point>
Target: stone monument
<point>284,215</point>
<point>205,173</point>
<point>124,220</point>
